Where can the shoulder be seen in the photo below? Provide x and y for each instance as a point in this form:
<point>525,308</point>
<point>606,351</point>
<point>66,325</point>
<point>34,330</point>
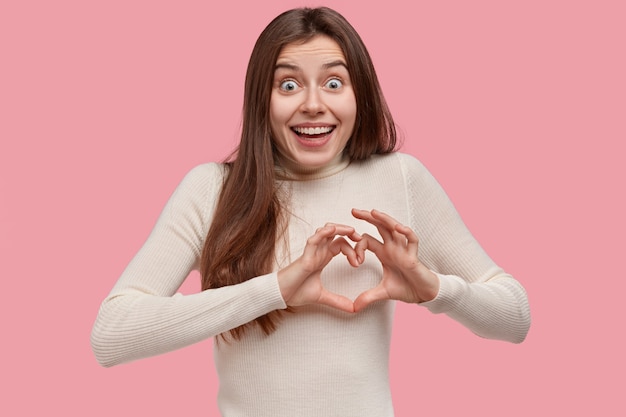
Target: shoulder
<point>199,188</point>
<point>391,157</point>
<point>408,169</point>
<point>207,177</point>
<point>206,172</point>
<point>408,164</point>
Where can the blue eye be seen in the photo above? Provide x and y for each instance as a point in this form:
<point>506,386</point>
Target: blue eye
<point>334,84</point>
<point>288,85</point>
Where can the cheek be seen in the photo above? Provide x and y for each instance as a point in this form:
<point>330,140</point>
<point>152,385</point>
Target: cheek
<point>280,107</point>
<point>279,117</point>
<point>279,112</point>
<point>347,111</point>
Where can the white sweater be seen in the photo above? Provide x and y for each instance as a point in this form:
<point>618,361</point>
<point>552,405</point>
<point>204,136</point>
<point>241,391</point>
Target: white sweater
<point>320,361</point>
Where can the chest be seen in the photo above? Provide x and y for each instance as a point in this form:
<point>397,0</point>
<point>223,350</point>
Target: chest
<point>312,204</point>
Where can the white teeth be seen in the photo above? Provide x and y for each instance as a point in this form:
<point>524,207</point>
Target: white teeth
<point>313,130</point>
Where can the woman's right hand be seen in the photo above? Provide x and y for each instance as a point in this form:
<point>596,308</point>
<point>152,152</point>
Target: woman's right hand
<point>300,282</point>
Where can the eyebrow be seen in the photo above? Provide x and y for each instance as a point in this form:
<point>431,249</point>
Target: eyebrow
<point>332,64</point>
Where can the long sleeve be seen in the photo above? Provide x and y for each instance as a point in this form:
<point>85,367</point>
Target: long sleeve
<point>473,289</point>
<point>144,316</point>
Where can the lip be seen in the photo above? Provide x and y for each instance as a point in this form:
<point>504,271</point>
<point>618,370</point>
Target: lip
<point>310,124</point>
<point>314,143</point>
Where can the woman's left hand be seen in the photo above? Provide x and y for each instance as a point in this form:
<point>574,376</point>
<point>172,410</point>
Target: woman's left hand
<point>405,278</point>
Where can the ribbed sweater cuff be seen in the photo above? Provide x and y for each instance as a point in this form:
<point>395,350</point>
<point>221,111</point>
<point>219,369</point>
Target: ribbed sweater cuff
<point>268,289</point>
<point>451,292</point>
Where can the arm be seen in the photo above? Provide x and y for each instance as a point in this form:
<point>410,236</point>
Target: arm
<point>143,316</point>
<point>450,273</point>
<point>473,289</point>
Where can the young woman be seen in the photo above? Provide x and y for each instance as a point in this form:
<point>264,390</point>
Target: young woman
<point>298,283</point>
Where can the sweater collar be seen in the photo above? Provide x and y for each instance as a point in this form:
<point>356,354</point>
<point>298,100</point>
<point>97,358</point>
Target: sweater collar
<point>290,170</point>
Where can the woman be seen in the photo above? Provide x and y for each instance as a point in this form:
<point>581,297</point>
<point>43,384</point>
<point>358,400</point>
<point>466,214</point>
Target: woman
<point>298,284</point>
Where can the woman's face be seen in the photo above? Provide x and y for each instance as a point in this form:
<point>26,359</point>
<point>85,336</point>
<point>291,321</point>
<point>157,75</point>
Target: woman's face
<point>312,106</point>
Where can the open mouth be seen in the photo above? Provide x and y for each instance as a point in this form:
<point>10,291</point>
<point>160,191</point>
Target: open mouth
<point>313,132</point>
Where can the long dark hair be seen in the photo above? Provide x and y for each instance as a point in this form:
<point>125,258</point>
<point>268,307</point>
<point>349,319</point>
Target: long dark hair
<point>248,218</point>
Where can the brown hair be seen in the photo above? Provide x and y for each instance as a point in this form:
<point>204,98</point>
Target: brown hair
<point>241,241</point>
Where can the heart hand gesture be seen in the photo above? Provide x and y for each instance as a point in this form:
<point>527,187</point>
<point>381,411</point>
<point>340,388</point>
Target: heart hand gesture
<point>405,278</point>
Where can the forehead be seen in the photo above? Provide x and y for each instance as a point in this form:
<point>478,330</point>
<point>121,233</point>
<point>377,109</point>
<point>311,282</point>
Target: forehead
<point>321,47</point>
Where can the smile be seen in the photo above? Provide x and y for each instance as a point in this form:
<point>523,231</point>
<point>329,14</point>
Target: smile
<point>312,132</point>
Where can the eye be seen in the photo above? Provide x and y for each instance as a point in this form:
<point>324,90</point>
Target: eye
<point>334,84</point>
<point>288,85</point>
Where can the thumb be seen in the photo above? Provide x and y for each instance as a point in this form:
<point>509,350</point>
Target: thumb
<point>370,296</point>
<point>337,301</point>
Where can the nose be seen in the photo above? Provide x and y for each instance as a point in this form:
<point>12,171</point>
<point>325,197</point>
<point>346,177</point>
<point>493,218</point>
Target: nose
<point>313,102</point>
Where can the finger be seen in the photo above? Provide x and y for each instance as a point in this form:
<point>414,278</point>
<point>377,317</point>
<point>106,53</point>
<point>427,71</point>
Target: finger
<point>361,214</point>
<point>411,237</point>
<point>370,296</point>
<point>370,243</point>
<point>406,232</point>
<point>386,220</point>
<point>321,235</point>
<point>337,301</point>
<point>359,249</point>
<point>341,245</point>
<point>316,242</point>
<point>345,230</point>
<point>386,232</point>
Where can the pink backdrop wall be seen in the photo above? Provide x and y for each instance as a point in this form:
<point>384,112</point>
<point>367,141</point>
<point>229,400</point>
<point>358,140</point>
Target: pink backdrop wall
<point>518,108</point>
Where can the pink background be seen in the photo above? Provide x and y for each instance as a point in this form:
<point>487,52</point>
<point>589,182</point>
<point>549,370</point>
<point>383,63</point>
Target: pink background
<point>518,108</point>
